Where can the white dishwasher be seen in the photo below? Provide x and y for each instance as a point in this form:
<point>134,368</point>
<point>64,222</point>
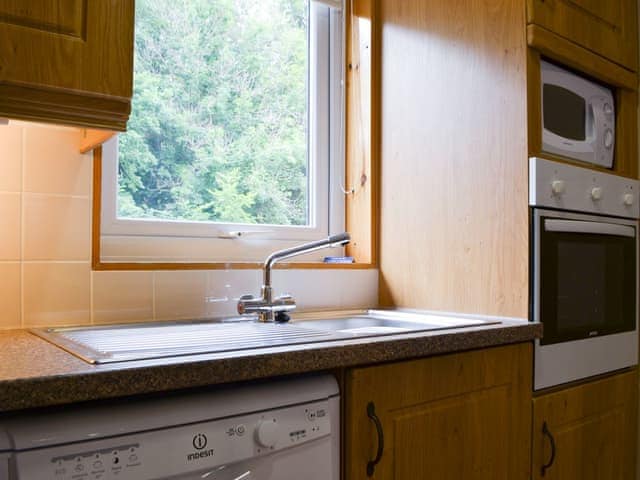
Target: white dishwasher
<point>281,429</point>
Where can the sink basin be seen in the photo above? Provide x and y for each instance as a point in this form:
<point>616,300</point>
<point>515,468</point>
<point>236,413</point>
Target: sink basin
<point>388,322</point>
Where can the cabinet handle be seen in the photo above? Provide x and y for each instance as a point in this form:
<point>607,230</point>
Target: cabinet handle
<point>371,413</point>
<point>547,433</point>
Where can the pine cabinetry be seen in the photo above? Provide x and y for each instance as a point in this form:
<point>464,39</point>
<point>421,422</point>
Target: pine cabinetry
<point>608,28</point>
<point>587,432</point>
<point>461,416</point>
<point>67,61</point>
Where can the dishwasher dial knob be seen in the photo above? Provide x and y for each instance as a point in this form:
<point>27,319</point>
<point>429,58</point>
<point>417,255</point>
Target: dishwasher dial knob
<point>267,433</point>
<point>628,199</point>
<point>558,187</point>
<point>596,193</point>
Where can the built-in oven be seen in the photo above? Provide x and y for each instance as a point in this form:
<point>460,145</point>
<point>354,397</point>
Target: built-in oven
<point>584,267</point>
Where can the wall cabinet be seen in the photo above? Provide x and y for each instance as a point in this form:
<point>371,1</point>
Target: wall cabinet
<point>67,61</point>
<point>607,28</point>
<point>587,432</point>
<point>465,415</point>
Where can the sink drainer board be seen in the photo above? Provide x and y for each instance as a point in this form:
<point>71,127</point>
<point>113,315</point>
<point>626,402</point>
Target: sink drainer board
<point>143,342</point>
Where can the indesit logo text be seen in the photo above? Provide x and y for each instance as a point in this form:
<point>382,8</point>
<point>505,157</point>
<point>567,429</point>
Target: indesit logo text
<point>200,443</point>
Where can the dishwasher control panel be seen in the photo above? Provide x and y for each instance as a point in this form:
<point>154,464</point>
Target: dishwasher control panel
<point>180,449</point>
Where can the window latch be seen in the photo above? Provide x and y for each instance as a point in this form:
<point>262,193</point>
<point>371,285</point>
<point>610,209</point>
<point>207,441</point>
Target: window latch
<point>236,234</point>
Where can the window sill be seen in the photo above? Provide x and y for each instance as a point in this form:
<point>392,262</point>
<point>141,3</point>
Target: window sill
<point>139,266</point>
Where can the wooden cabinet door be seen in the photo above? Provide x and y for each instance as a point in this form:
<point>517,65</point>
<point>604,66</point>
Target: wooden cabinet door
<point>593,429</point>
<point>67,61</point>
<point>461,416</point>
<point>609,28</point>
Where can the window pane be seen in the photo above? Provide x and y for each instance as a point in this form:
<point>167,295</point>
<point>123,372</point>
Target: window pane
<point>218,130</point>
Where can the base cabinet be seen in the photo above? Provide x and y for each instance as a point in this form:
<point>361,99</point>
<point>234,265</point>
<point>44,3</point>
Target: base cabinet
<point>587,432</point>
<point>461,416</point>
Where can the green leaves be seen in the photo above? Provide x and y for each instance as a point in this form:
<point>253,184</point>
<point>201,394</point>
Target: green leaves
<point>218,128</point>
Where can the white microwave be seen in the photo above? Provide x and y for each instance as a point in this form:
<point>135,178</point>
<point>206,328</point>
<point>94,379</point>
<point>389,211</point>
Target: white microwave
<point>578,117</point>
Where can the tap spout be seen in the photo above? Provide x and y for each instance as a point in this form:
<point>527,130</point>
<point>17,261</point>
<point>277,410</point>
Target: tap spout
<point>332,241</point>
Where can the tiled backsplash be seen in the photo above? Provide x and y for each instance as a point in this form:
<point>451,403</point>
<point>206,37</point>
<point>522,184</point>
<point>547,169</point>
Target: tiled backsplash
<point>45,248</point>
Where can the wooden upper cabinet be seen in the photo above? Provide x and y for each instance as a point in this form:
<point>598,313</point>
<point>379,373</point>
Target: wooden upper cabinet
<point>608,28</point>
<point>587,432</point>
<point>461,416</point>
<point>67,61</point>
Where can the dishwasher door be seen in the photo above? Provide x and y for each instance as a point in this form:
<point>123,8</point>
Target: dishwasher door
<point>294,440</point>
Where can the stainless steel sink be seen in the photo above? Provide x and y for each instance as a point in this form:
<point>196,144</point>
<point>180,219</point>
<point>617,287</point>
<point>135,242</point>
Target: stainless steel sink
<point>388,322</point>
<point>120,343</point>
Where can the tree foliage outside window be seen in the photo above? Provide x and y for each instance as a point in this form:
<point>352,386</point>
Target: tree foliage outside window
<point>218,130</point>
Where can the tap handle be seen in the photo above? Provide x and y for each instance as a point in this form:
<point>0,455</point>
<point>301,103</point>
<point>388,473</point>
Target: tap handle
<point>282,317</point>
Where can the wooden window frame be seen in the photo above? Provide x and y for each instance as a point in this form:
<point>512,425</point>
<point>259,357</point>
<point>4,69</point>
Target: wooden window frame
<point>362,107</point>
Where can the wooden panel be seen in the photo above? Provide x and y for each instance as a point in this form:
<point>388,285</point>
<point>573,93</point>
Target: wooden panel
<point>65,17</point>
<point>623,82</point>
<point>67,61</point>
<point>40,103</point>
<point>567,53</point>
<point>92,139</point>
<point>608,28</point>
<point>594,427</point>
<point>465,415</point>
<point>360,177</point>
<point>453,206</point>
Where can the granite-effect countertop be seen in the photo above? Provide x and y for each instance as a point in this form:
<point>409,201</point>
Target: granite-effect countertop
<point>35,373</point>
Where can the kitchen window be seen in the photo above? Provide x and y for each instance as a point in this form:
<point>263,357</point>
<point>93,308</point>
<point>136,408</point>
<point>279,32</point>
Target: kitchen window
<point>235,143</point>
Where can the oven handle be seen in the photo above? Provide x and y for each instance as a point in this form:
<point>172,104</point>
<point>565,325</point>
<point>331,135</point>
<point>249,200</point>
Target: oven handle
<point>598,228</point>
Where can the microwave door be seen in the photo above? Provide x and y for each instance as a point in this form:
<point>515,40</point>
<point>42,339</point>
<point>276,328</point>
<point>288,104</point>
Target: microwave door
<point>587,275</point>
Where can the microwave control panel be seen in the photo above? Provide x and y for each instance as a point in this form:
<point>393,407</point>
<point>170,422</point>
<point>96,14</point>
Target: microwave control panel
<point>568,187</point>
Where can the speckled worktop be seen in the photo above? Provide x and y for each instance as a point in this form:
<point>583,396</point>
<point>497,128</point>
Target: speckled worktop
<point>35,373</point>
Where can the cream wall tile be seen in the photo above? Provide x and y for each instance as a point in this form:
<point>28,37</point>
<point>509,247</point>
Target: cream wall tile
<point>10,158</point>
<point>52,163</point>
<point>224,288</point>
<point>57,228</point>
<point>10,226</point>
<point>57,294</point>
<point>122,297</point>
<point>10,295</point>
<point>180,294</point>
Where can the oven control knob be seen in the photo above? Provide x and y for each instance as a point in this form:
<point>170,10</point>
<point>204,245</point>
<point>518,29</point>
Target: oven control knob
<point>558,187</point>
<point>267,433</point>
<point>596,193</point>
<point>608,139</point>
<point>628,199</point>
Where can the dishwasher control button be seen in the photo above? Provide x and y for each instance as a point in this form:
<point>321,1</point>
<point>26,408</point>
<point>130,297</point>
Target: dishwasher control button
<point>628,199</point>
<point>240,430</point>
<point>267,433</point>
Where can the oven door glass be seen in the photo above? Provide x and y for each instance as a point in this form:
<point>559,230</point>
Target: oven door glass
<point>587,279</point>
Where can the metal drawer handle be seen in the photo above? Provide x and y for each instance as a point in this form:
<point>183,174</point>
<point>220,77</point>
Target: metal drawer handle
<point>547,433</point>
<point>371,413</point>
